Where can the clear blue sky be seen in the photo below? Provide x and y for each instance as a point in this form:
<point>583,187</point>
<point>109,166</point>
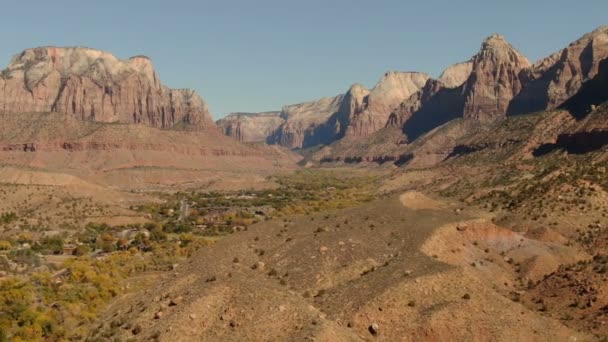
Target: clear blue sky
<point>256,55</point>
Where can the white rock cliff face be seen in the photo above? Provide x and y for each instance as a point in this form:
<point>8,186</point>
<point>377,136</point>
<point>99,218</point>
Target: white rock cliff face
<point>250,127</point>
<point>389,92</point>
<point>455,75</point>
<point>307,124</point>
<point>94,85</point>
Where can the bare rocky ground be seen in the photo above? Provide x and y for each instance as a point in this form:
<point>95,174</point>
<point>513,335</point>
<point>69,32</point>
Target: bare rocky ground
<point>404,267</point>
<point>51,202</point>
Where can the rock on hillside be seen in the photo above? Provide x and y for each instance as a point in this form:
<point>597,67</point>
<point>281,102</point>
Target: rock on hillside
<point>389,92</point>
<point>552,80</point>
<point>95,85</point>
<point>250,127</point>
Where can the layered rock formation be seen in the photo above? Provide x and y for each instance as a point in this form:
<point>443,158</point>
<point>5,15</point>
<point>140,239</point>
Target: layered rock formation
<point>94,85</point>
<point>480,89</point>
<point>494,80</point>
<point>376,107</point>
<point>250,127</point>
<point>308,124</point>
<point>554,79</point>
<point>128,155</point>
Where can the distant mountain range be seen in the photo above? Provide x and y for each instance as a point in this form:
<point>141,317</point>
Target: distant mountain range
<point>495,83</point>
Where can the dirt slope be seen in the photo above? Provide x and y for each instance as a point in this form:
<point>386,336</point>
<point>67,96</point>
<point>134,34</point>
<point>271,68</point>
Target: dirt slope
<point>365,273</point>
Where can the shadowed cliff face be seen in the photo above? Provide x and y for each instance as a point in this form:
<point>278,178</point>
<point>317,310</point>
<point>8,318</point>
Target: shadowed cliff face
<point>297,126</point>
<point>308,124</point>
<point>589,106</point>
<point>592,93</point>
<point>94,85</point>
<point>375,108</point>
<point>552,80</point>
<point>501,82</point>
<point>437,106</point>
<point>479,89</point>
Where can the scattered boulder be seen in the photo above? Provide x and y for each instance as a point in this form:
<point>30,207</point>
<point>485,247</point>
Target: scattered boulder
<point>136,330</point>
<point>373,329</point>
<point>176,301</point>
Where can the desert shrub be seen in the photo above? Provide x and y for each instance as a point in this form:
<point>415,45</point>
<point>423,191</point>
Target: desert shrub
<point>25,257</point>
<point>8,217</point>
<point>25,237</point>
<point>82,250</point>
<point>49,245</point>
<point>5,246</point>
<point>177,228</point>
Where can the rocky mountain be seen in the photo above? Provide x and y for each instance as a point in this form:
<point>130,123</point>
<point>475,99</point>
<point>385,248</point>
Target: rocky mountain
<point>463,90</point>
<point>492,84</point>
<point>496,82</point>
<point>308,124</point>
<point>552,80</point>
<point>95,85</point>
<point>591,94</point>
<point>455,75</point>
<point>493,81</point>
<point>87,114</point>
<point>359,112</point>
<point>295,126</point>
<point>250,127</point>
<point>480,89</point>
<point>375,109</point>
<point>589,105</point>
